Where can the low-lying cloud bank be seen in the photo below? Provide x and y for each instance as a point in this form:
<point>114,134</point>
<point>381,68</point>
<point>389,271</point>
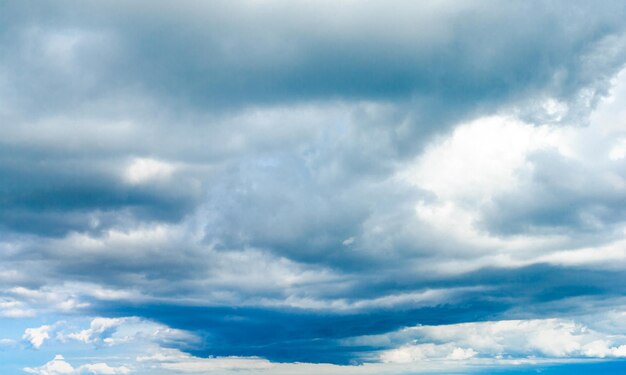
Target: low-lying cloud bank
<point>137,346</point>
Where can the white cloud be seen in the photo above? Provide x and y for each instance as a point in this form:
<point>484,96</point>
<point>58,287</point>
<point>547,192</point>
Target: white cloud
<point>425,352</point>
<point>548,338</point>
<point>103,368</point>
<point>178,361</point>
<point>427,297</point>
<point>496,180</point>
<point>618,151</point>
<point>58,366</point>
<point>142,170</point>
<point>465,171</point>
<point>7,342</point>
<point>37,336</point>
<point>611,256</point>
<point>128,330</point>
<point>99,330</point>
<point>12,308</point>
<point>480,158</point>
<point>432,359</point>
<point>174,361</point>
<point>60,299</point>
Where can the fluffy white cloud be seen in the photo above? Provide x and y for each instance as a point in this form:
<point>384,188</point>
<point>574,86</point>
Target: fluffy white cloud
<point>426,352</point>
<point>127,330</point>
<point>511,193</point>
<point>37,336</point>
<point>549,338</point>
<point>58,366</point>
<point>99,330</point>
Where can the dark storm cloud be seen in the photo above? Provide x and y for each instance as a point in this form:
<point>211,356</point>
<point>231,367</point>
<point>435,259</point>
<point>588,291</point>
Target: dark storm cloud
<point>210,55</point>
<point>83,190</point>
<point>224,53</point>
<point>84,64</point>
<point>293,335</point>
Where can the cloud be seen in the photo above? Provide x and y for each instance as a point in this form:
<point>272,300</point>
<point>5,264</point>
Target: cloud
<point>422,352</point>
<point>58,366</point>
<point>103,368</point>
<point>388,89</point>
<point>552,338</point>
<point>419,349</point>
<point>7,342</point>
<point>174,360</point>
<point>145,170</point>
<point>236,179</point>
<point>37,336</point>
<point>109,332</point>
<point>100,330</point>
<point>14,309</point>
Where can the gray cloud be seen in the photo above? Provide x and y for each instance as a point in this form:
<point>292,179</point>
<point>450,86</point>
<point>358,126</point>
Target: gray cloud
<point>256,155</point>
<point>104,84</point>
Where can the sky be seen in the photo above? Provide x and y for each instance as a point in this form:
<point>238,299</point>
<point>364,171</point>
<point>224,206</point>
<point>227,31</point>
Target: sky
<point>312,187</point>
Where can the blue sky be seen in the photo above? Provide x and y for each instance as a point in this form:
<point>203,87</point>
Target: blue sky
<point>312,187</point>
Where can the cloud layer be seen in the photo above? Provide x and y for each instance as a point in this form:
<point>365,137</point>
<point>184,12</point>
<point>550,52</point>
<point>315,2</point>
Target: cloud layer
<point>289,187</point>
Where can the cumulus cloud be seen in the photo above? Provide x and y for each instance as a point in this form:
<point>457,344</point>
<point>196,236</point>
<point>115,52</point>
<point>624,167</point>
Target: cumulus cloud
<point>108,332</point>
<point>58,366</point>
<point>423,352</point>
<point>37,336</point>
<point>499,183</point>
<point>551,338</point>
<point>99,330</point>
